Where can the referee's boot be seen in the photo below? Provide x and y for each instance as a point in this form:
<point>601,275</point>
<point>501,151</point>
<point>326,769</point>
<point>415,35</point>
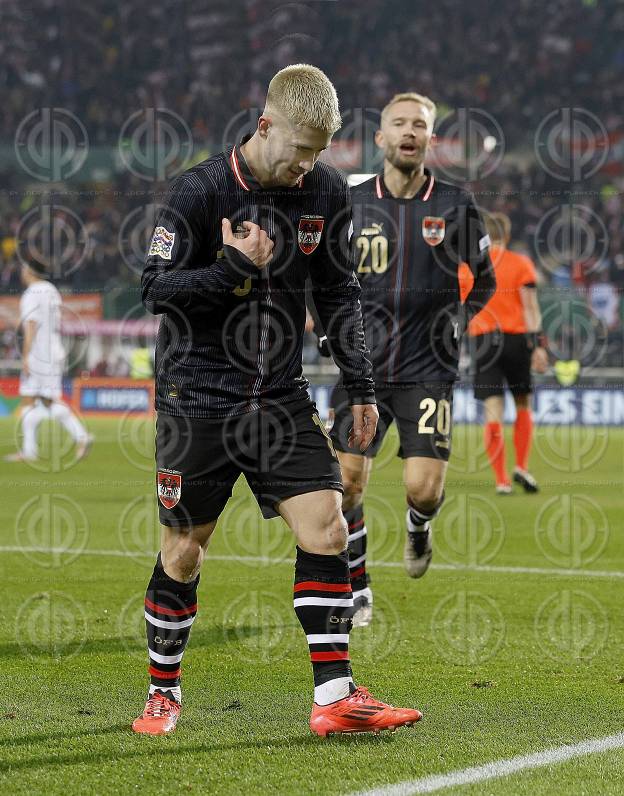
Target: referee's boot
<point>525,479</point>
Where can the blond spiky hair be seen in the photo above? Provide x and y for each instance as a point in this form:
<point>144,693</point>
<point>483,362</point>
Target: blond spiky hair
<point>412,95</point>
<point>306,96</point>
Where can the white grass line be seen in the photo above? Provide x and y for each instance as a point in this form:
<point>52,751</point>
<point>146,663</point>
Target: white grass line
<point>498,768</point>
<point>585,573</point>
<point>75,552</point>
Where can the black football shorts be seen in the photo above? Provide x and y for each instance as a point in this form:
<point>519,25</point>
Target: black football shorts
<point>282,450</point>
<point>501,360</point>
<point>422,412</point>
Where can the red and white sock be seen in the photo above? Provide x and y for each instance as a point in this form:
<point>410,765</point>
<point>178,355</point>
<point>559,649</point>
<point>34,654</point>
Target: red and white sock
<point>170,610</point>
<point>323,603</point>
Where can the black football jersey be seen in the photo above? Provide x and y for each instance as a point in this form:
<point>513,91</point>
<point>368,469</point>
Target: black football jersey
<point>407,254</point>
<point>231,335</point>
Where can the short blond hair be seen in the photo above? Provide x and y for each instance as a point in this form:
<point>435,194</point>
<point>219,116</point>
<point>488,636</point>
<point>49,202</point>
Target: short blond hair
<point>414,97</point>
<point>498,226</point>
<point>306,96</point>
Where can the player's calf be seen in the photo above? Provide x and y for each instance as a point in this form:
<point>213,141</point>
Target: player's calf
<point>323,602</point>
<point>170,610</point>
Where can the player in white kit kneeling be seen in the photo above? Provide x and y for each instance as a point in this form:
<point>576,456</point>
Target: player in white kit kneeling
<point>43,358</point>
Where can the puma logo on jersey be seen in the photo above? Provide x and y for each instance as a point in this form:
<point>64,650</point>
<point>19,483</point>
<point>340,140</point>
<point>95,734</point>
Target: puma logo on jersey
<point>374,229</point>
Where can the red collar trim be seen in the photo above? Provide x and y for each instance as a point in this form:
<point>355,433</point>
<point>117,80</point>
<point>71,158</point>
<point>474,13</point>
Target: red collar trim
<point>237,171</point>
<point>427,194</point>
<point>238,174</point>
<point>429,189</point>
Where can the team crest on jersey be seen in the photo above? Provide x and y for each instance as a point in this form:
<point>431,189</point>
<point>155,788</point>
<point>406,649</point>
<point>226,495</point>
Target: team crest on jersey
<point>169,487</point>
<point>162,243</point>
<point>433,228</point>
<point>309,233</point>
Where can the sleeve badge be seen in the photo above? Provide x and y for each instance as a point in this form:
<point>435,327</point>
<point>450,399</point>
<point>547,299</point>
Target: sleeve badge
<point>162,244</point>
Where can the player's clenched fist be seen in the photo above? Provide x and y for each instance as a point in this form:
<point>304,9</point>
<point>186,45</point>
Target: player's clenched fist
<point>365,419</point>
<point>256,244</point>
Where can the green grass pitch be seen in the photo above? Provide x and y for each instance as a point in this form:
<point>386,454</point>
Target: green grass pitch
<point>507,645</point>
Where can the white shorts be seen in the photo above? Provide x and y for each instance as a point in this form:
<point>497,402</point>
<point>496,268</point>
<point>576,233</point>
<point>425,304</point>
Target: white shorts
<point>47,385</point>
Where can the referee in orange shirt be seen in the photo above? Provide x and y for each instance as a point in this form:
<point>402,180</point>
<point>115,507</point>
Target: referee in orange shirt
<point>508,343</point>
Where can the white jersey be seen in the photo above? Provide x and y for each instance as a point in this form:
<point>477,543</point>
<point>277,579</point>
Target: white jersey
<point>41,302</point>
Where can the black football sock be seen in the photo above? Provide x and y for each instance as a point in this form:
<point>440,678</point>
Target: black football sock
<point>420,517</point>
<point>170,609</point>
<point>357,547</point>
<point>324,606</point>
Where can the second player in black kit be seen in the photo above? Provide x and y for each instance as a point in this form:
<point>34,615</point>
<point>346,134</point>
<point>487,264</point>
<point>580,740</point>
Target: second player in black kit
<point>408,252</point>
<point>411,231</point>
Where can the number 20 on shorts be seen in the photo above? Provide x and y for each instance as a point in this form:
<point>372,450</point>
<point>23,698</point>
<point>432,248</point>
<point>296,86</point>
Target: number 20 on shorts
<point>442,412</point>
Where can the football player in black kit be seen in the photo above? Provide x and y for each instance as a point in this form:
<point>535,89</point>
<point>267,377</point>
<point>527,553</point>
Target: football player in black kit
<point>226,268</point>
<point>411,231</point>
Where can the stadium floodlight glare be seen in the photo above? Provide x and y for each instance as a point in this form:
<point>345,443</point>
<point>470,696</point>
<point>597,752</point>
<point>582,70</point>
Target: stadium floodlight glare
<point>489,143</point>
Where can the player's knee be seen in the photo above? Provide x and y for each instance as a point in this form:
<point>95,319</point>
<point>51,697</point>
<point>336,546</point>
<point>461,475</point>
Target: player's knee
<point>426,494</point>
<point>335,536</point>
<point>183,560</point>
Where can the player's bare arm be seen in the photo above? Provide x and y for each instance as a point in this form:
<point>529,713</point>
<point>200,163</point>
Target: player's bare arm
<point>533,320</point>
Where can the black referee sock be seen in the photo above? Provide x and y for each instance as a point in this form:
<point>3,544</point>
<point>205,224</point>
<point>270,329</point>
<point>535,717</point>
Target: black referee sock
<point>170,609</point>
<point>357,547</point>
<point>324,606</point>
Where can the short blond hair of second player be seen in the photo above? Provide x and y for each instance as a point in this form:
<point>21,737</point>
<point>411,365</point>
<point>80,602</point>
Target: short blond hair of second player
<point>414,97</point>
<point>306,96</point>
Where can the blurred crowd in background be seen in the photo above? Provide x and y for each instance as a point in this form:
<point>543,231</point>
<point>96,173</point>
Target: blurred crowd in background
<point>210,62</point>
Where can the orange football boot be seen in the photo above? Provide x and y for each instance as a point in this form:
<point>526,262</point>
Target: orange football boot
<point>159,717</point>
<point>360,712</point>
